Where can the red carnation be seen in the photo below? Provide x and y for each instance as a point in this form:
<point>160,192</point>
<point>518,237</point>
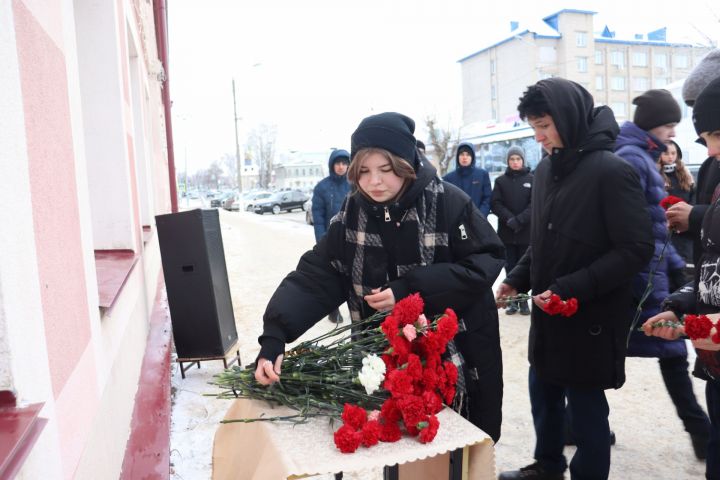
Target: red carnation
<point>451,372</point>
<point>571,307</point>
<point>669,201</point>
<point>370,433</point>
<point>429,378</point>
<point>390,327</point>
<point>398,383</point>
<point>433,403</point>
<point>347,440</point>
<point>390,412</point>
<point>354,416</point>
<point>414,367</point>
<point>429,429</point>
<point>412,408</point>
<point>447,327</point>
<point>555,305</point>
<point>408,309</point>
<point>390,432</point>
<point>448,393</point>
<point>697,326</point>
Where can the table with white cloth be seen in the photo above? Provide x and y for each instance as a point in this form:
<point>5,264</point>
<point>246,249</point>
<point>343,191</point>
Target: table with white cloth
<point>266,450</point>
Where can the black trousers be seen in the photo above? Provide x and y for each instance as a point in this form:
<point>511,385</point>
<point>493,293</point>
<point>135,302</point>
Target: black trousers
<point>677,381</point>
<point>512,256</point>
<point>589,423</point>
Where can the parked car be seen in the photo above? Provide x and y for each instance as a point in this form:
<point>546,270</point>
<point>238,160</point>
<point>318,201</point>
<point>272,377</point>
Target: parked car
<point>249,199</point>
<point>219,200</point>
<point>307,206</point>
<point>277,202</point>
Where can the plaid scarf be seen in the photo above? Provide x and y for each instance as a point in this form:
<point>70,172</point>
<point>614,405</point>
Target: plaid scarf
<point>422,240</point>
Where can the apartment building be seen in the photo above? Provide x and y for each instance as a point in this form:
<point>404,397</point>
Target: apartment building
<point>569,44</point>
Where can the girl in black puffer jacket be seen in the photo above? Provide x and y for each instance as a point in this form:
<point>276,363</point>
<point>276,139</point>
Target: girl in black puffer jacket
<point>679,183</point>
<point>510,201</point>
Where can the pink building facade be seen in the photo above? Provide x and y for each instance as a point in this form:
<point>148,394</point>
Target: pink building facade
<point>86,165</point>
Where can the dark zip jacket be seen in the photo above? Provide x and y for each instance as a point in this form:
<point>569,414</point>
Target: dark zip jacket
<point>511,199</point>
<point>590,235</point>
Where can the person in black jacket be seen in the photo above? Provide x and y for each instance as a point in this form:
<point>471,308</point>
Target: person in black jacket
<point>510,201</point>
<point>401,230</point>
<point>678,183</point>
<point>589,236</point>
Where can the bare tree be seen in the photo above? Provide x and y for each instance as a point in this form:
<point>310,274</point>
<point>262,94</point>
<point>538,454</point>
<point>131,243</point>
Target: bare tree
<point>229,165</point>
<point>443,144</point>
<point>261,143</point>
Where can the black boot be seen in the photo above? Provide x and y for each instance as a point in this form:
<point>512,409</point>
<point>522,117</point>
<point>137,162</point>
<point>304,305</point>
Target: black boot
<point>699,444</point>
<point>335,317</point>
<point>524,309</point>
<point>531,472</point>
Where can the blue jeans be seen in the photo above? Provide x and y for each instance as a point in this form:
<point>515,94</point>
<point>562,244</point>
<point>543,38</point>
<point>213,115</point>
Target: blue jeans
<point>589,423</point>
<point>712,395</point>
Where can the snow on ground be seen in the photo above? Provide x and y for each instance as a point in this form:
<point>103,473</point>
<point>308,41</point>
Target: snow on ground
<point>260,250</point>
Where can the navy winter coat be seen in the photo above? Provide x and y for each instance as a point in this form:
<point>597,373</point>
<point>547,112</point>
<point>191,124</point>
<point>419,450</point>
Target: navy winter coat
<point>329,195</point>
<point>472,180</point>
<point>641,150</point>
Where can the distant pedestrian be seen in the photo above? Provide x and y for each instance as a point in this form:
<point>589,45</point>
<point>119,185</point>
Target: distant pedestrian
<point>679,183</point>
<point>472,180</point>
<point>510,202</point>
<point>328,197</point>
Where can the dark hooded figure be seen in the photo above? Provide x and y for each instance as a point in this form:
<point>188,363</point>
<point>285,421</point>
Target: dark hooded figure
<point>590,234</point>
<point>511,203</point>
<point>472,180</point>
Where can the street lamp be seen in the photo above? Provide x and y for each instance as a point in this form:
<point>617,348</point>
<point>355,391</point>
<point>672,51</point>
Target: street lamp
<point>238,161</point>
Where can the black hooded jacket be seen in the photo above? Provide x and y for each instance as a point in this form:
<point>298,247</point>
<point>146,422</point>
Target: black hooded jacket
<point>590,234</point>
<point>511,199</point>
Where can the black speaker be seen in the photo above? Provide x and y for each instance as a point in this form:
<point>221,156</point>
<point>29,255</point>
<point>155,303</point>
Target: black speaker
<point>196,280</point>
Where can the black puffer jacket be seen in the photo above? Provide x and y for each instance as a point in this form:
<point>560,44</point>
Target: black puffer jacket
<point>461,277</point>
<point>511,199</point>
<point>590,234</point>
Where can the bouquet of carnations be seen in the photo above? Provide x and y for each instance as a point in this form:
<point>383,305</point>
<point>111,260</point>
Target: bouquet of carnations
<point>381,376</point>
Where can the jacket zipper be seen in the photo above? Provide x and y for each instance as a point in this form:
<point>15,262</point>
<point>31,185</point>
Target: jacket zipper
<point>463,233</point>
<point>387,215</point>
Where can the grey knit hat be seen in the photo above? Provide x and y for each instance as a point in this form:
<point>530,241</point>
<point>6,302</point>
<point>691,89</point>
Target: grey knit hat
<point>515,150</point>
<point>704,72</point>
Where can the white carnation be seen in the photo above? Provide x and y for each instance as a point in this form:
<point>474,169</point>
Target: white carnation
<point>372,373</point>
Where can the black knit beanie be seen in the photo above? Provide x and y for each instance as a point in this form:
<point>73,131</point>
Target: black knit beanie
<point>655,108</point>
<point>706,112</point>
<point>390,131</point>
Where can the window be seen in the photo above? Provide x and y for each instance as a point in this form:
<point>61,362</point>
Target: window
<point>492,92</point>
<point>598,57</point>
<point>492,66</point>
<point>581,39</point>
<point>660,82</point>
<point>582,64</point>
<point>599,82</point>
<point>640,59</point>
<point>617,59</point>
<point>618,108</point>
<point>617,83</point>
<point>680,61</point>
<point>640,84</point>
<point>661,60</point>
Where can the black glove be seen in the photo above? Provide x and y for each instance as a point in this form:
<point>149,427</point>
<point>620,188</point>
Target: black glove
<point>676,279</point>
<point>514,224</point>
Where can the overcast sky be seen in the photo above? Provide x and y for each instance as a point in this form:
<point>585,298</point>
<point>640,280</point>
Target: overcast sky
<point>316,68</point>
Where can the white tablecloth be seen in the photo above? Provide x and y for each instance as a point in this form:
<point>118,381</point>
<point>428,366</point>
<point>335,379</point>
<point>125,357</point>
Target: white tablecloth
<point>278,450</point>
